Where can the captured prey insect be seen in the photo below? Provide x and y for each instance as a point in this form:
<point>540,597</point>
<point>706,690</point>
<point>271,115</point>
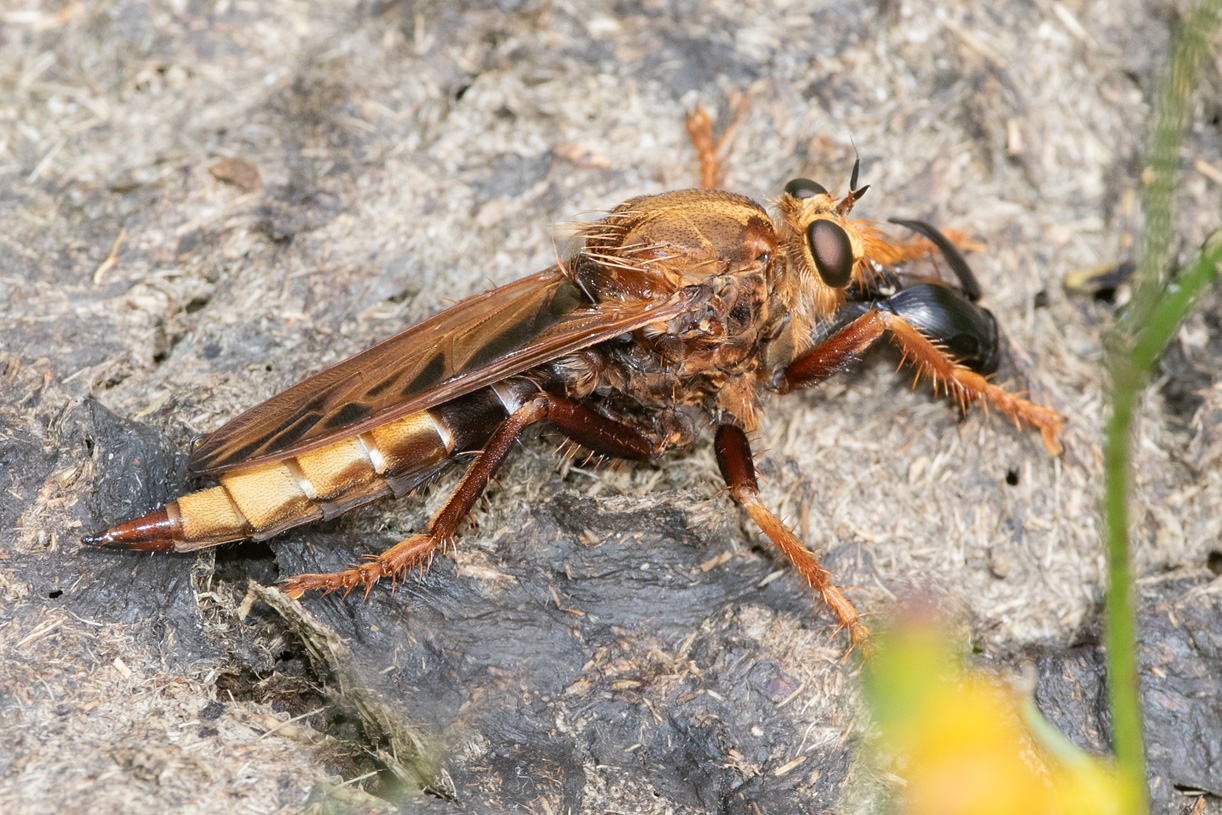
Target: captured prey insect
<point>680,311</point>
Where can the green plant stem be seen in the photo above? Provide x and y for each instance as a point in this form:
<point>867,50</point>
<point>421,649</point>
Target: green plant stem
<point>1129,377</point>
<point>1120,612</point>
<point>1170,117</point>
<point>1157,309</point>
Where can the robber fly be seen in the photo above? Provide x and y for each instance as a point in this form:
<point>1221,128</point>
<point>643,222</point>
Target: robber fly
<point>679,311</point>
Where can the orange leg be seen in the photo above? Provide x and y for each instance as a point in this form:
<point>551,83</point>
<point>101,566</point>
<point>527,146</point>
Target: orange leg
<point>917,248</point>
<point>930,240</point>
<point>961,383</point>
<point>418,549</point>
<point>708,149</point>
<point>734,459</point>
<point>573,419</point>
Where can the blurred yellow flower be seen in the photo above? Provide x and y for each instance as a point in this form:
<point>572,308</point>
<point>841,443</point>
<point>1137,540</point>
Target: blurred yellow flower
<point>966,744</point>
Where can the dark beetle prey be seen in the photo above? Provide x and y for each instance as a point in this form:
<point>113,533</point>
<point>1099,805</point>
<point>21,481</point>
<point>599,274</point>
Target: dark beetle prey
<point>681,310</point>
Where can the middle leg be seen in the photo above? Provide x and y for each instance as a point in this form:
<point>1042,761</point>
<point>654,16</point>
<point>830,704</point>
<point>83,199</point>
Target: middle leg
<point>734,460</point>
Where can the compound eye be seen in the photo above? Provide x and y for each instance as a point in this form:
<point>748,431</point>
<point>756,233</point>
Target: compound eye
<point>832,251</point>
<point>804,188</point>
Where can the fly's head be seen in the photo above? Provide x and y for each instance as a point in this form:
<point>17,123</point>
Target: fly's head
<point>825,251</point>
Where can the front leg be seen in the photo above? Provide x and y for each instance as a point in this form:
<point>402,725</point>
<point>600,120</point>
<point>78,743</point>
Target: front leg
<point>961,383</point>
<point>737,468</point>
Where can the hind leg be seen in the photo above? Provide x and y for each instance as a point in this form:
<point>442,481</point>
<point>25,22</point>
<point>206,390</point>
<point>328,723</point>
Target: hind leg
<point>576,421</point>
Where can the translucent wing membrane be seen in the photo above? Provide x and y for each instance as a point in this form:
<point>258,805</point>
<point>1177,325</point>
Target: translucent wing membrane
<point>477,342</point>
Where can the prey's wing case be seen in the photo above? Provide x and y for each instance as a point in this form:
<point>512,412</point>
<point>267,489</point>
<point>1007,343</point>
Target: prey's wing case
<point>474,343</point>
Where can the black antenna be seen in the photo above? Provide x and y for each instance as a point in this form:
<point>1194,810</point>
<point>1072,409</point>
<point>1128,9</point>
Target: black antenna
<point>856,166</point>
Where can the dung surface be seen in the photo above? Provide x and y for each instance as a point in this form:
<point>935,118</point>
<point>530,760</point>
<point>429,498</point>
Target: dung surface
<point>1181,661</point>
<point>200,204</point>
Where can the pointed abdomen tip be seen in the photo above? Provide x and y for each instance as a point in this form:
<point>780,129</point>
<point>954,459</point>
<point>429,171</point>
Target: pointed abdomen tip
<point>151,533</point>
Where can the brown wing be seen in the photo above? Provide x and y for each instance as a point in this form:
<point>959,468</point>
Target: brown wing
<point>477,342</point>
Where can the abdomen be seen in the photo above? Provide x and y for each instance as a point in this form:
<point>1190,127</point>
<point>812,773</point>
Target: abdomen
<point>265,499</point>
